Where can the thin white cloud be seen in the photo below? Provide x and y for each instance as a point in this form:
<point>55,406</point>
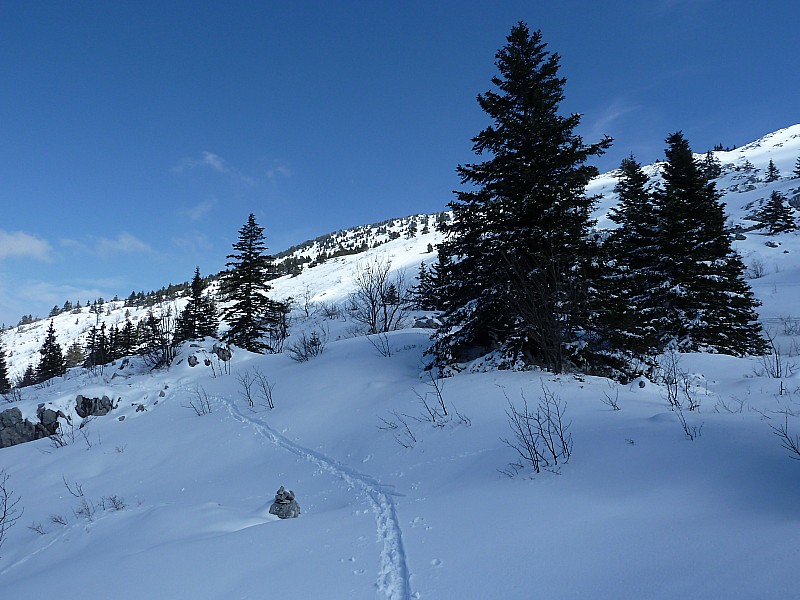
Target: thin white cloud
<point>602,125</point>
<point>214,162</point>
<point>278,170</point>
<point>124,243</point>
<point>207,159</point>
<point>198,211</point>
<point>195,242</point>
<point>23,245</point>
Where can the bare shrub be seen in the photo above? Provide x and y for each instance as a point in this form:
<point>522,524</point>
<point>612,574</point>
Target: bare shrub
<point>692,431</point>
<point>331,311</point>
<point>58,519</point>
<point>380,300</point>
<point>541,439</point>
<point>610,400</point>
<point>113,502</point>
<point>75,489</point>
<point>13,395</point>
<point>381,343</point>
<point>403,434</point>
<point>200,403</point>
<point>756,269</point>
<point>308,347</point>
<point>264,389</point>
<point>37,528</point>
<point>788,440</point>
<point>774,364</point>
<point>9,511</point>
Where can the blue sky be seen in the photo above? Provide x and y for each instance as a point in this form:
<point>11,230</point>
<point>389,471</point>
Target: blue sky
<point>136,137</point>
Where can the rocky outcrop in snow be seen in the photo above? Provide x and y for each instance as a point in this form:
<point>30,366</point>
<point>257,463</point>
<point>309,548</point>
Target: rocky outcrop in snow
<point>14,429</point>
<point>86,407</point>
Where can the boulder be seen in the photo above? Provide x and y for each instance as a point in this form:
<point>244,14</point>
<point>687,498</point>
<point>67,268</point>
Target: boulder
<point>48,419</point>
<point>16,430</point>
<point>192,360</point>
<point>285,506</point>
<point>224,353</point>
<point>86,407</point>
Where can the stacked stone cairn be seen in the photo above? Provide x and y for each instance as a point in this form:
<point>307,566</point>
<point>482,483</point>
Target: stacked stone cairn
<point>285,506</point>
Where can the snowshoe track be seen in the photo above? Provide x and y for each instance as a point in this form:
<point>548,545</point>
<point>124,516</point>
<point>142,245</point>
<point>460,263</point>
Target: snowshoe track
<point>393,576</point>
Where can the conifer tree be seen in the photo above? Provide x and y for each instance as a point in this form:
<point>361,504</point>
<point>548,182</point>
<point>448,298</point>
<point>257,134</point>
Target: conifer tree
<point>773,174</point>
<point>797,168</point>
<point>627,310</point>
<point>707,305</point>
<point>518,238</point>
<point>776,215</point>
<point>29,376</point>
<point>5,381</point>
<point>711,166</point>
<point>52,363</point>
<point>254,319</point>
<point>199,317</point>
<point>74,356</point>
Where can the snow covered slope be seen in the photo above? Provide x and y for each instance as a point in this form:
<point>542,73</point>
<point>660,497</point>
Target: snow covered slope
<point>175,504</point>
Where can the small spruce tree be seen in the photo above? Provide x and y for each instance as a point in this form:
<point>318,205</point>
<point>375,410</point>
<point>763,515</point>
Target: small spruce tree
<point>5,381</point>
<point>255,321</point>
<point>52,363</point>
<point>199,317</point>
<point>797,168</point>
<point>776,215</point>
<point>772,174</point>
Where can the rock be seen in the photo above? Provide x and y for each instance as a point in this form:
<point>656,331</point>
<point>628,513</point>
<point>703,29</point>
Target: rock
<point>771,244</point>
<point>426,323</point>
<point>224,353</point>
<point>193,361</point>
<point>740,236</point>
<point>162,394</point>
<point>140,408</point>
<point>48,419</point>
<point>121,418</point>
<point>285,506</point>
<point>16,430</point>
<point>86,407</point>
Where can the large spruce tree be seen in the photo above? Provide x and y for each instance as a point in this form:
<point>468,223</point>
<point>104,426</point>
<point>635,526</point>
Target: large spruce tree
<point>254,320</point>
<point>199,317</point>
<point>518,239</point>
<point>706,303</point>
<point>52,363</point>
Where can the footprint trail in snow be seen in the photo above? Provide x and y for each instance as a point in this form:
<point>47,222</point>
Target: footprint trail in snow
<point>393,576</point>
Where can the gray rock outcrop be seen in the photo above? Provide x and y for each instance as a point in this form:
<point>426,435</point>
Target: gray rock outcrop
<point>285,506</point>
<point>86,407</point>
<point>224,353</point>
<point>16,430</point>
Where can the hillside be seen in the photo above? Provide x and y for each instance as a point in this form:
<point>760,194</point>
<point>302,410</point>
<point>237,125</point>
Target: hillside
<point>160,499</point>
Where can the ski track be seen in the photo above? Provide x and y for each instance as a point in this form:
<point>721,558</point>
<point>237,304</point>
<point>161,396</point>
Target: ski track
<point>393,576</point>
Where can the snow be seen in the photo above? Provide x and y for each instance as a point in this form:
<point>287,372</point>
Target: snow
<point>640,511</point>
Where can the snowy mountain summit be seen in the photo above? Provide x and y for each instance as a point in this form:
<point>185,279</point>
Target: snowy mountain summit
<point>412,486</point>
